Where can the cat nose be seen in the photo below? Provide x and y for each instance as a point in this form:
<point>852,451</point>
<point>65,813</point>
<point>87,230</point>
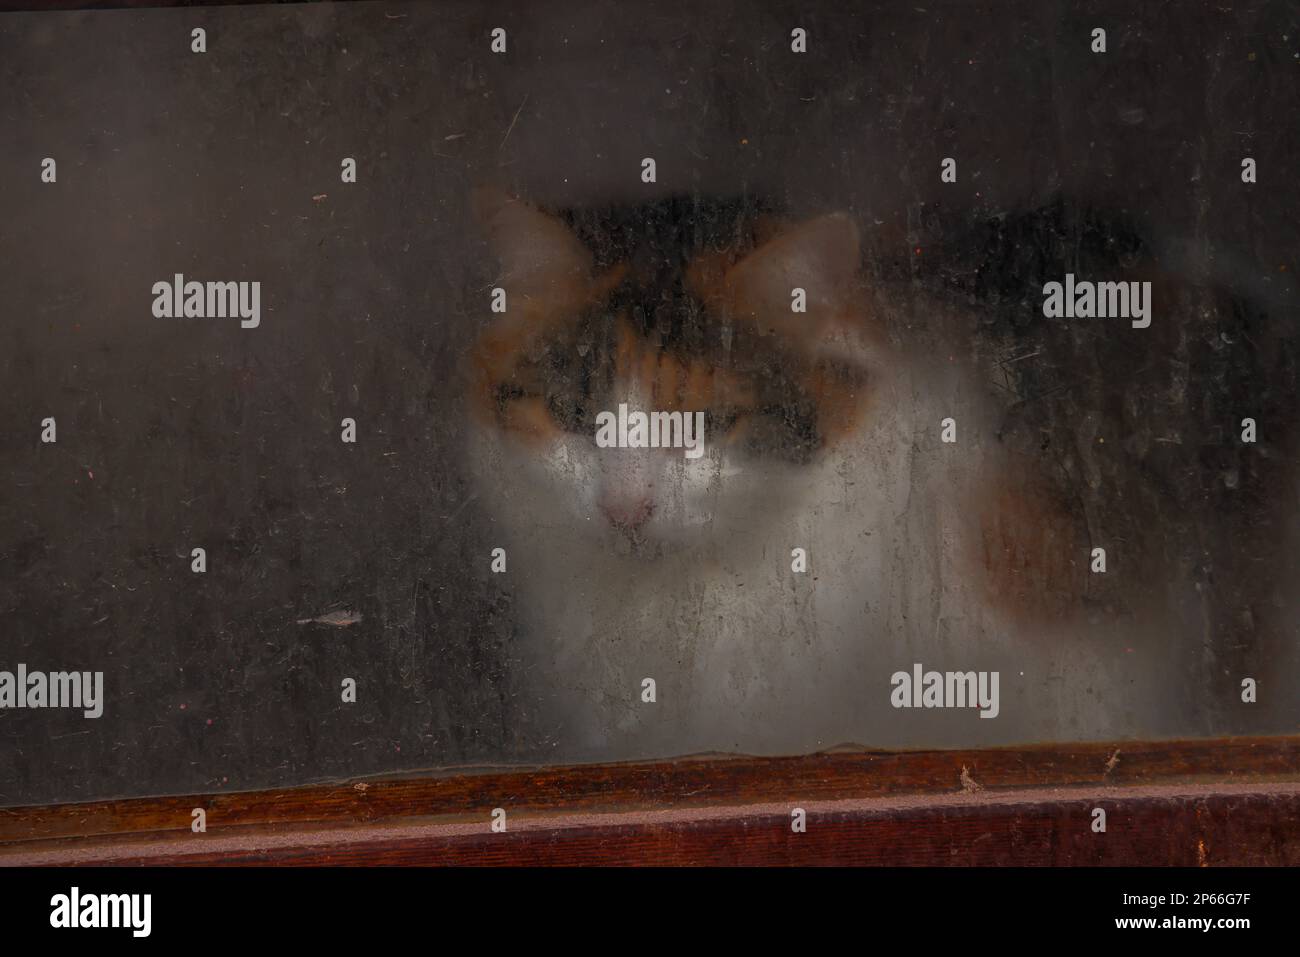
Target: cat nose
<point>628,514</point>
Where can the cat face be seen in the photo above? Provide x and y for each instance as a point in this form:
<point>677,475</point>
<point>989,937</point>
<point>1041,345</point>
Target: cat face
<point>756,324</point>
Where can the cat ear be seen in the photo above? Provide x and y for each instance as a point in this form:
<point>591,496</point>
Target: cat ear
<point>543,264</point>
<point>547,275</point>
<point>820,256</point>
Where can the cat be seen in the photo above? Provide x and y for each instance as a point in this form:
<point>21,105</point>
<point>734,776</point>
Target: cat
<point>824,432</point>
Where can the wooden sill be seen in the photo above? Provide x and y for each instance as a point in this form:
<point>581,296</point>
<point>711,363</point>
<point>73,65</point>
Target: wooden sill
<point>1198,802</point>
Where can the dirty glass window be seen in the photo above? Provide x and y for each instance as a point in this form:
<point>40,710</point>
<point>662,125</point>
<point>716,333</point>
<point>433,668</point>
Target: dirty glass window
<point>383,395</point>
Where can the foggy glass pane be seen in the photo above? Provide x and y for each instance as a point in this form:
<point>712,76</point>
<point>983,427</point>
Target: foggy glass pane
<point>797,437</point>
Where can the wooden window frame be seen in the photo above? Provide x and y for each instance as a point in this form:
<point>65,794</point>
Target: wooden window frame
<point>1227,801</point>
